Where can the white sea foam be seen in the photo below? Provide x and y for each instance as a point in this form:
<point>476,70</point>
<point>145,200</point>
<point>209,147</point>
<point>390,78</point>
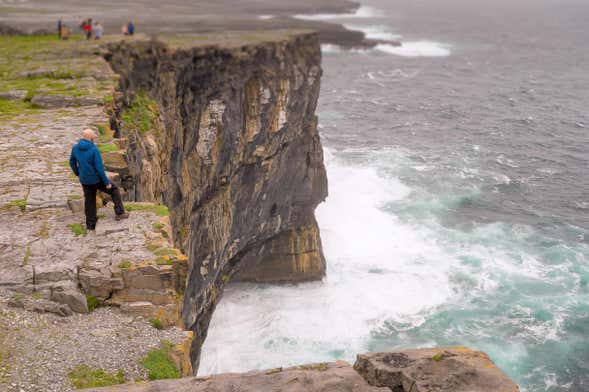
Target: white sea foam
<point>382,33</point>
<point>361,12</point>
<point>416,49</point>
<point>378,269</point>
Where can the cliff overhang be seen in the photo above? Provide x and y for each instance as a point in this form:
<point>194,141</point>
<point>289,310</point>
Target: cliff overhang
<point>225,135</point>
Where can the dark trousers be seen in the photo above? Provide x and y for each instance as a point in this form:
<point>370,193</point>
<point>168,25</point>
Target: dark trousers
<point>90,201</point>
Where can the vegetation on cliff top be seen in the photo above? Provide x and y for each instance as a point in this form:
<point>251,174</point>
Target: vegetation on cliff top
<point>141,116</point>
<point>83,376</point>
<point>159,365</point>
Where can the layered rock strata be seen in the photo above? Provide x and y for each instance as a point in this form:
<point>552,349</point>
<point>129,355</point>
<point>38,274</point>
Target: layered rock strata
<point>234,152</point>
<point>457,369</point>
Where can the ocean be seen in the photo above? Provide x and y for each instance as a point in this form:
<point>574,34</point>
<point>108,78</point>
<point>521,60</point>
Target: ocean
<point>458,208</point>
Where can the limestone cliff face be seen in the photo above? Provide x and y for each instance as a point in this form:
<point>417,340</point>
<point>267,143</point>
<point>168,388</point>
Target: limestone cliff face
<point>235,154</point>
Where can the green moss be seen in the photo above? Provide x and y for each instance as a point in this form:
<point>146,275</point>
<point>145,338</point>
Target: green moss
<point>107,147</point>
<point>92,302</point>
<point>156,323</point>
<point>151,246</point>
<point>157,226</point>
<point>159,365</point>
<point>165,252</point>
<point>18,297</point>
<point>158,209</point>
<point>74,197</point>
<point>125,264</point>
<point>21,203</point>
<point>83,376</point>
<point>141,116</point>
<point>101,216</point>
<point>163,261</point>
<point>78,229</point>
<point>437,357</point>
<point>107,99</point>
<point>37,295</point>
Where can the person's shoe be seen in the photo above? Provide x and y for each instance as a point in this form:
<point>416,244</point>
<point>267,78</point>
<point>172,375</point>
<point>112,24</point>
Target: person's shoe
<point>124,215</point>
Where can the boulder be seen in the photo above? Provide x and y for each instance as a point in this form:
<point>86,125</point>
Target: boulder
<point>456,369</point>
<point>116,161</point>
<point>41,306</point>
<point>71,297</point>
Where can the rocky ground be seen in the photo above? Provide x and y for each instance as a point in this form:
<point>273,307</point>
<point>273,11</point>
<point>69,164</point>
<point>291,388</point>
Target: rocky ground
<point>51,269</point>
<point>38,350</point>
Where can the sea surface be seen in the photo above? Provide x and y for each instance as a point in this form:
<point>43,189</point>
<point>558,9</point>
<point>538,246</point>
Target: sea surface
<point>458,208</point>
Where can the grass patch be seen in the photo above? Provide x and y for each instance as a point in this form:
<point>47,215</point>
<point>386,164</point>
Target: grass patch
<point>21,203</point>
<point>156,323</point>
<point>125,264</point>
<point>157,226</point>
<point>83,376</point>
<point>74,197</point>
<point>141,116</point>
<point>92,302</point>
<point>158,364</point>
<point>37,295</point>
<point>165,252</point>
<point>163,260</point>
<point>78,229</point>
<point>437,357</point>
<point>107,148</point>
<point>158,209</point>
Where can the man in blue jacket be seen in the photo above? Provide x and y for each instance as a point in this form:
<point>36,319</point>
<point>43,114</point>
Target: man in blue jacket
<point>86,163</point>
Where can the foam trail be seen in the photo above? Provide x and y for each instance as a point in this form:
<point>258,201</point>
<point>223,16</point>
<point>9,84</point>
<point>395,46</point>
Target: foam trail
<point>381,33</point>
<point>362,12</point>
<point>375,273</point>
<point>416,49</point>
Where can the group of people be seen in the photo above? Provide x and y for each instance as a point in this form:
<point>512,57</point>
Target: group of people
<point>91,29</point>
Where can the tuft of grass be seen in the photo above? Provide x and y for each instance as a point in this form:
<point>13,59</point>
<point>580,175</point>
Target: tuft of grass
<point>158,209</point>
<point>125,264</point>
<point>157,226</point>
<point>37,295</point>
<point>21,203</point>
<point>107,148</point>
<point>163,260</point>
<point>74,197</point>
<point>141,116</point>
<point>437,357</point>
<point>28,255</point>
<point>78,229</point>
<point>92,302</point>
<point>156,323</point>
<point>158,364</point>
<point>165,252</point>
<point>83,376</point>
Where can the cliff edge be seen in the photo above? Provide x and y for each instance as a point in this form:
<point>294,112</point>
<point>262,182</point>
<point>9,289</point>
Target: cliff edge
<point>225,135</point>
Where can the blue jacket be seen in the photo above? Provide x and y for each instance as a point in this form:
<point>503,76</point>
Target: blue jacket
<point>86,163</point>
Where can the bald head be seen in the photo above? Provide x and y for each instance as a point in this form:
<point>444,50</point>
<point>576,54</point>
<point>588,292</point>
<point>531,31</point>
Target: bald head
<point>88,134</point>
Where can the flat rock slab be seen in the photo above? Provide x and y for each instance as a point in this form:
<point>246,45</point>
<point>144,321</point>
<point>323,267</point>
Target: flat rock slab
<point>330,377</point>
<point>457,369</point>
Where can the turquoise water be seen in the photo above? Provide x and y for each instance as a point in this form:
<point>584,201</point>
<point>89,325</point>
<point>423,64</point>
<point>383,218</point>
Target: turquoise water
<point>458,208</point>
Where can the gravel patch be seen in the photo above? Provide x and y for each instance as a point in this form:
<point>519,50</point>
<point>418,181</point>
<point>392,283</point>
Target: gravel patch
<point>38,350</point>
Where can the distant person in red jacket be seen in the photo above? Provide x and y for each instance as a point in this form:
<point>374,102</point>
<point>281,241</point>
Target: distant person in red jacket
<point>87,27</point>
